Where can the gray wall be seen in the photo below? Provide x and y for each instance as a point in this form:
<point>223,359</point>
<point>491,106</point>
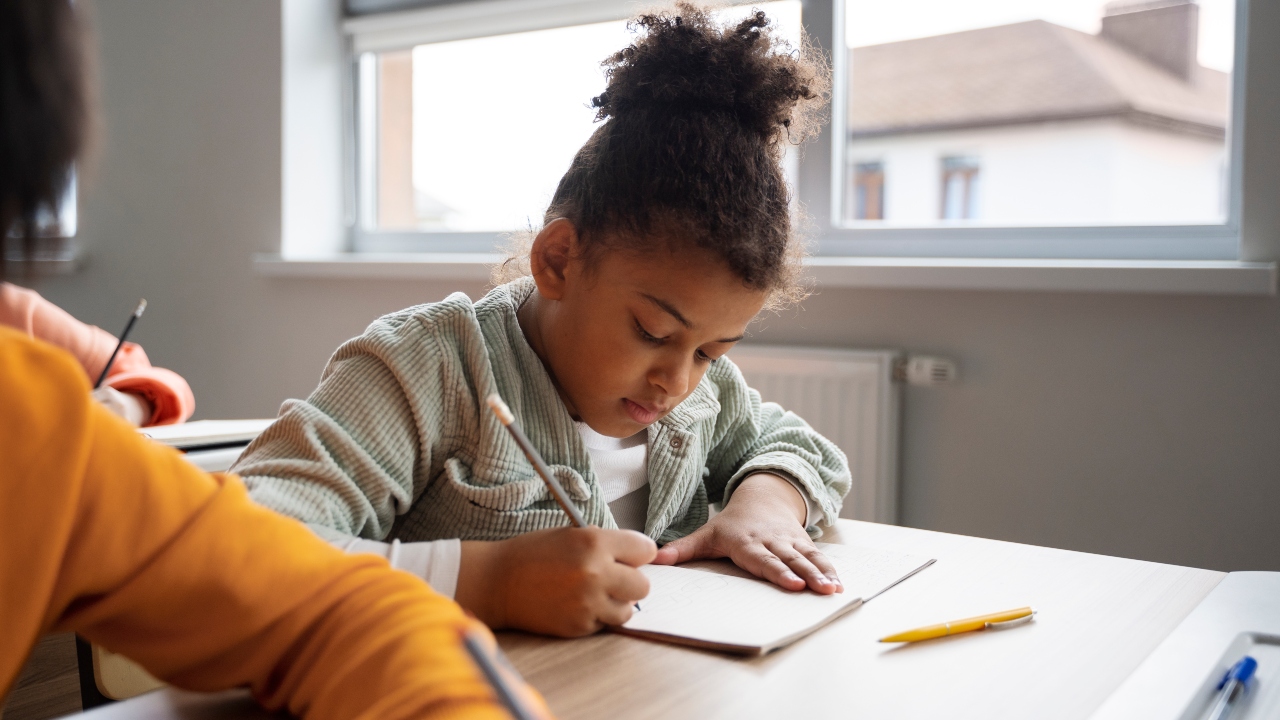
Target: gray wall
<point>1142,426</point>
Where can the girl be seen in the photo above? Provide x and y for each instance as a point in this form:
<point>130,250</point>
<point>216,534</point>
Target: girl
<point>667,235</point>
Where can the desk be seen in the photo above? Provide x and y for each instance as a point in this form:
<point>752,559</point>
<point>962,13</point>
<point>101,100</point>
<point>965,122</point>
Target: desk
<point>1099,617</point>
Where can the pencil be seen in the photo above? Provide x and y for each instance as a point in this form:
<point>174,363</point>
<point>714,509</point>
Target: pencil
<point>137,313</point>
<point>506,694</point>
<point>539,465</point>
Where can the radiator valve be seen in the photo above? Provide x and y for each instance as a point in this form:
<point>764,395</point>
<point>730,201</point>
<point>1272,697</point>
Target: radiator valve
<point>925,370</point>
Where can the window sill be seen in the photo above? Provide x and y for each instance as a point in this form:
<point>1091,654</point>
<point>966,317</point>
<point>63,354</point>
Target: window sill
<point>1192,277</point>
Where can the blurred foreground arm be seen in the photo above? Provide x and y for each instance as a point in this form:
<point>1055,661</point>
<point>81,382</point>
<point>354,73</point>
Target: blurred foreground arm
<point>123,541</point>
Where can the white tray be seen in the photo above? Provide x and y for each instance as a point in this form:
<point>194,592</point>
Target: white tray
<point>1241,614</point>
<point>1262,699</point>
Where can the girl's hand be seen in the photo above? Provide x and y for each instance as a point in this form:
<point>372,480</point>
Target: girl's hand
<point>564,581</point>
<point>761,530</point>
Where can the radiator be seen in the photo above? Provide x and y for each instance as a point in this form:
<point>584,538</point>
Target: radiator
<point>849,396</point>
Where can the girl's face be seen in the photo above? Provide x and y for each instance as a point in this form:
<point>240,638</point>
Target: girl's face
<point>627,340</point>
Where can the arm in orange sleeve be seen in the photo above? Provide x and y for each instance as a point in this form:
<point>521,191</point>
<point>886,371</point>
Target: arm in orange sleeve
<point>120,539</point>
<point>170,396</point>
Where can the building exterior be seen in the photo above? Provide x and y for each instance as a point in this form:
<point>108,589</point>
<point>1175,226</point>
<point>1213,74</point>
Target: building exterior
<point>1037,124</point>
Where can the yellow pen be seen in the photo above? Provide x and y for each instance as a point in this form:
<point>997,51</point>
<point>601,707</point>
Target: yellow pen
<point>995,620</point>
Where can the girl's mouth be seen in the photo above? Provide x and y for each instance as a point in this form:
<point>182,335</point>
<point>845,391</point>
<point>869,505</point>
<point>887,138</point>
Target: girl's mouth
<point>640,413</point>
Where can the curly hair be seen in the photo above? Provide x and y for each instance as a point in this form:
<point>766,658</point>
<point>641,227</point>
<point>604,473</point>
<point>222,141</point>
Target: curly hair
<point>44,111</point>
<point>690,152</point>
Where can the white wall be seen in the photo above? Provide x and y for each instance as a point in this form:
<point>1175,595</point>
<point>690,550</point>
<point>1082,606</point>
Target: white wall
<point>1145,426</point>
<point>1083,171</point>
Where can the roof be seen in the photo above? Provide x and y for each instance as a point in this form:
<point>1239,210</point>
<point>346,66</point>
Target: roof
<point>1031,71</point>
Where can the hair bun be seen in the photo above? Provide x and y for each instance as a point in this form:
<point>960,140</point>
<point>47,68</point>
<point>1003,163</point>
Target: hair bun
<point>685,62</point>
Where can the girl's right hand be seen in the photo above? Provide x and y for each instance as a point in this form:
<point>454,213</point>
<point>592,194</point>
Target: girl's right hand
<point>563,581</point>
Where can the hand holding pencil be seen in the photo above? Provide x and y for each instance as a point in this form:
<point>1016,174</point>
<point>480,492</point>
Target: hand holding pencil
<point>566,581</point>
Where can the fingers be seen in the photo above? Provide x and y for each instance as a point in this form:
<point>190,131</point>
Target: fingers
<point>696,544</point>
<point>625,584</point>
<point>615,612</point>
<point>804,567</point>
<point>762,563</point>
<point>824,565</point>
<point>629,547</point>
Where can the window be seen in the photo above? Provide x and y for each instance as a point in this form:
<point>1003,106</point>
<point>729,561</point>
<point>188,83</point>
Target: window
<point>462,140</point>
<point>867,186</point>
<point>473,135</point>
<point>1088,128</point>
<point>959,188</point>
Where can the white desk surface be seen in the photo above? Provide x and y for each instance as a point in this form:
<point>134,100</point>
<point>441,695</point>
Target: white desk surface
<point>1099,617</point>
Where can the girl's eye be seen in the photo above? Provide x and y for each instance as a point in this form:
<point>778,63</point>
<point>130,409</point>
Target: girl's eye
<point>644,335</point>
<point>702,357</point>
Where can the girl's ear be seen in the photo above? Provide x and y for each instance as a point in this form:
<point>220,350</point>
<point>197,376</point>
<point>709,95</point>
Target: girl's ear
<point>549,258</point>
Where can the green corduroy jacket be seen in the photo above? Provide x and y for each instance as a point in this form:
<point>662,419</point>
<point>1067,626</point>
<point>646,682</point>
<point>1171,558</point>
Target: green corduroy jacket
<point>396,442</point>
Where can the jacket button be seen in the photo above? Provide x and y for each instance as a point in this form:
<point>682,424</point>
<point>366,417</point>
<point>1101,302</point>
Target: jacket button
<point>677,443</point>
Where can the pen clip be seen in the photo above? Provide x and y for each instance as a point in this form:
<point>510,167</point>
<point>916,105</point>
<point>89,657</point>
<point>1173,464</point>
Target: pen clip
<point>1011,623</point>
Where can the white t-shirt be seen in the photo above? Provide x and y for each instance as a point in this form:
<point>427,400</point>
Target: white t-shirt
<point>622,469</point>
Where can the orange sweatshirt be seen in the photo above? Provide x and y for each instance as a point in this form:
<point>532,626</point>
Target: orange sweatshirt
<point>170,396</point>
<point>120,539</point>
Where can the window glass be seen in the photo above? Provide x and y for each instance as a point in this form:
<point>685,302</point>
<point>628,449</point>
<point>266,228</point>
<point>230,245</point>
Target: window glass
<point>1036,112</point>
<point>473,135</point>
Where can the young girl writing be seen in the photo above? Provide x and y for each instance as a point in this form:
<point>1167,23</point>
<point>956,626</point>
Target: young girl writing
<point>668,234</point>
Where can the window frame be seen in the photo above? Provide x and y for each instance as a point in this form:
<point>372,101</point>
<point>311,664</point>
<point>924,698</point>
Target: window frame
<point>822,166</point>
<point>825,20</point>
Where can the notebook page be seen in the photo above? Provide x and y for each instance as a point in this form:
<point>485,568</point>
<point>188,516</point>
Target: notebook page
<point>733,610</point>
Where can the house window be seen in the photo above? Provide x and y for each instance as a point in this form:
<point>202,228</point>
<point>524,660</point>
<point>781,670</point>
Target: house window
<point>960,176</point>
<point>867,186</point>
<point>1089,113</point>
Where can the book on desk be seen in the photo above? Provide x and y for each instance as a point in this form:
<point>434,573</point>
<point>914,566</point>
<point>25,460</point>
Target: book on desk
<point>717,606</point>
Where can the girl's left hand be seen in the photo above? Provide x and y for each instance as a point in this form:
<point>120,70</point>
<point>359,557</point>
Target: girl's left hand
<point>761,529</point>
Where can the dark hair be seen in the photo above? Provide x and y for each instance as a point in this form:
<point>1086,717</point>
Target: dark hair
<point>44,111</point>
<point>696,115</point>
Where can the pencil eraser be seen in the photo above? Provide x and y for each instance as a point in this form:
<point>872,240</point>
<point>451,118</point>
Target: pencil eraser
<point>500,409</point>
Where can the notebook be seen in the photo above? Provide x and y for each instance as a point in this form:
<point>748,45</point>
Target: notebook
<point>207,434</point>
<point>718,606</point>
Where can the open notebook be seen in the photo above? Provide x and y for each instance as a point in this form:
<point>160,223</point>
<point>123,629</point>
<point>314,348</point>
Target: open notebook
<point>717,606</point>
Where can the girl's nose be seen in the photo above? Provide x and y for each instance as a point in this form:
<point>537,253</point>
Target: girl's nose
<point>672,377</point>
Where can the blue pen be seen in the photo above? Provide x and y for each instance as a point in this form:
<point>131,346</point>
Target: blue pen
<point>1232,687</point>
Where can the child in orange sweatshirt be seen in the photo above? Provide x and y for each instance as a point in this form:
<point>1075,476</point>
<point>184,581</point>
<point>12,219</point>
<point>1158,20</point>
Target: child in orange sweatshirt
<point>117,538</point>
